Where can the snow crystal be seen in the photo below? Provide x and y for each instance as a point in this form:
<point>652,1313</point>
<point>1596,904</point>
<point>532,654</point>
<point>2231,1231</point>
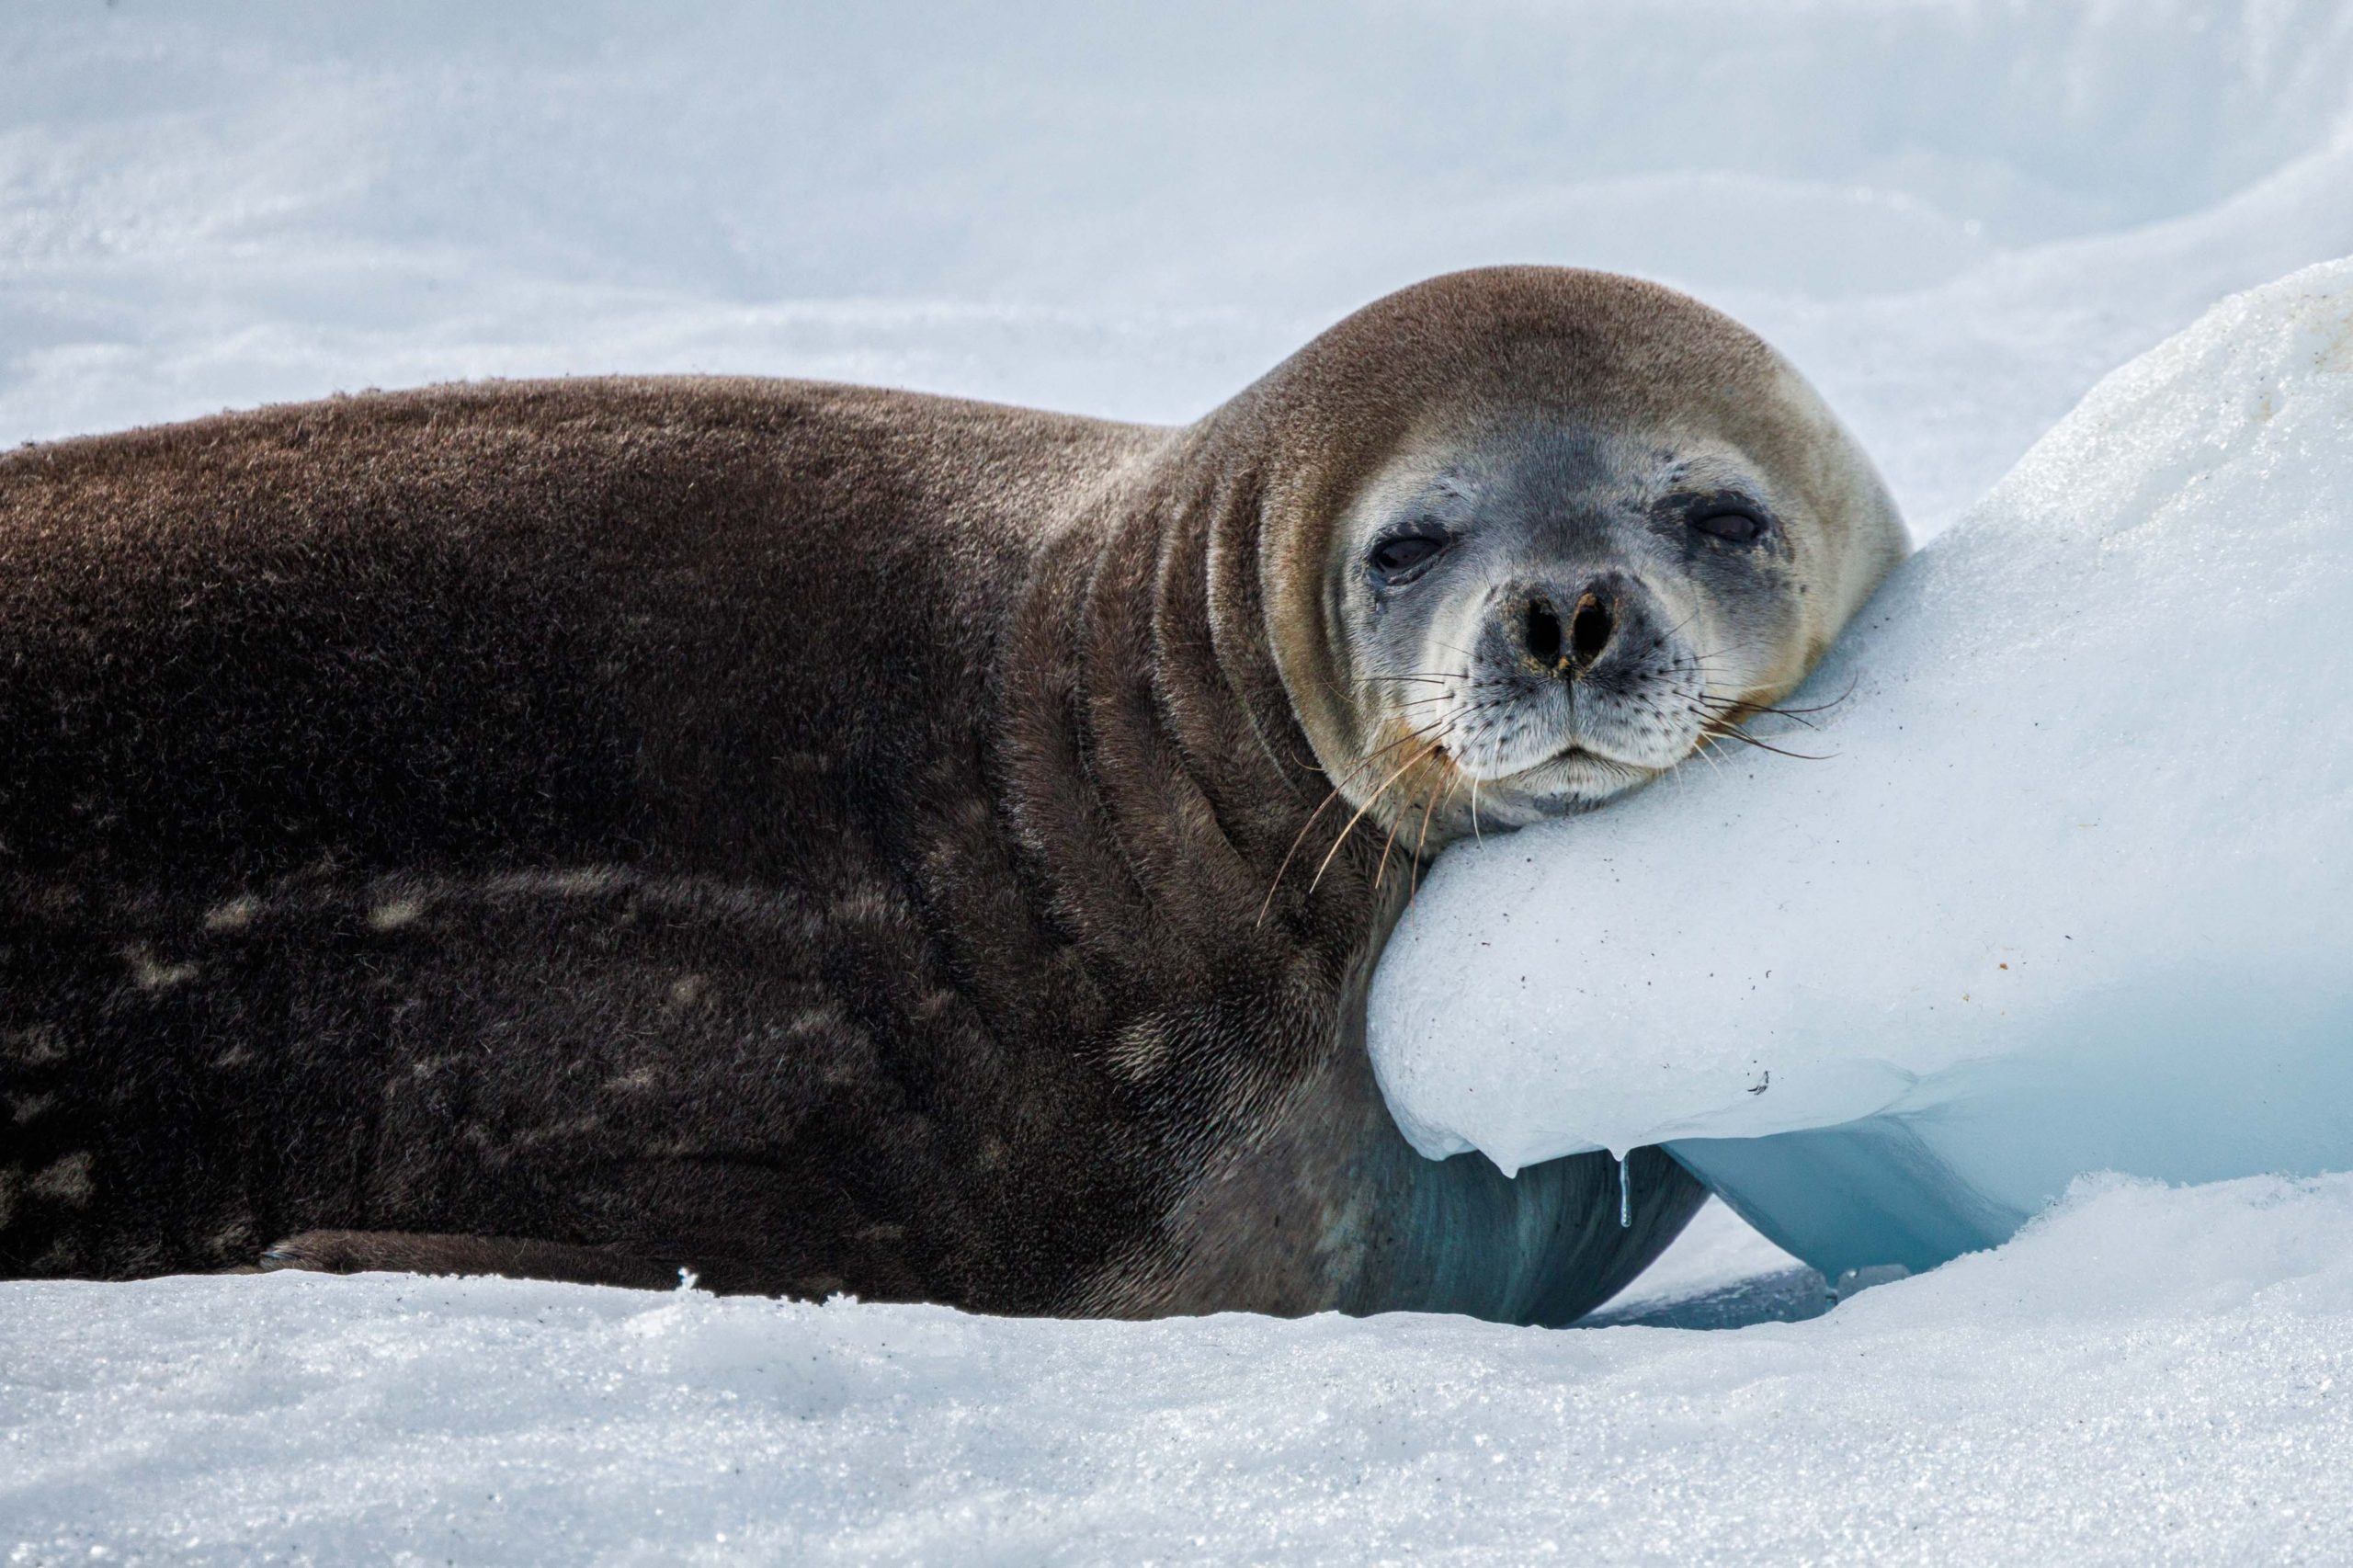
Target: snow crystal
<point>2068,893</point>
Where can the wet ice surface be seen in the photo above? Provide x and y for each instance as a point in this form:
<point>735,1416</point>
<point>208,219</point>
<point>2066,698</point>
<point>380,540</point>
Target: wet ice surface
<point>2150,1376</point>
<point>1719,1274</point>
<point>2069,892</point>
<point>1955,217</point>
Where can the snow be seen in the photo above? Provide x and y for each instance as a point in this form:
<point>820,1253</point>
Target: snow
<point>1955,215</point>
<point>2148,1376</point>
<point>2065,893</point>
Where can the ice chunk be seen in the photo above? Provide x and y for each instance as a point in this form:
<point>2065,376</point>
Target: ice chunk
<point>2071,892</point>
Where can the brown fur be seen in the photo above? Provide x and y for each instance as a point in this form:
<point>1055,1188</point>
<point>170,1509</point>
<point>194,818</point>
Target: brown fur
<point>826,838</point>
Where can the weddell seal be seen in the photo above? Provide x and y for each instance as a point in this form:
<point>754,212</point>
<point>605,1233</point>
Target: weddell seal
<point>840,840</point>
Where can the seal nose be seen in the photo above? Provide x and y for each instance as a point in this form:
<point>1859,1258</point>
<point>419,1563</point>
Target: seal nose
<point>1591,625</point>
<point>1578,646</point>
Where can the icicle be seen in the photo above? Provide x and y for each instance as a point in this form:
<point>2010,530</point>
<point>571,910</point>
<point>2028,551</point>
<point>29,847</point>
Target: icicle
<point>1625,1197</point>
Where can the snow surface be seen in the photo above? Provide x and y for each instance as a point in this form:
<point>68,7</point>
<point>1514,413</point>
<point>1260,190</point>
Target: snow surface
<point>2148,1376</point>
<point>2067,892</point>
<point>1956,215</point>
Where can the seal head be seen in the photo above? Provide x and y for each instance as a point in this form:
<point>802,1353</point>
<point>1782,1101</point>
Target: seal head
<point>1589,524</point>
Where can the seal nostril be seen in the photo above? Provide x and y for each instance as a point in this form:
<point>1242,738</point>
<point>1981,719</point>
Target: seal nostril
<point>1589,630</point>
<point>1542,633</point>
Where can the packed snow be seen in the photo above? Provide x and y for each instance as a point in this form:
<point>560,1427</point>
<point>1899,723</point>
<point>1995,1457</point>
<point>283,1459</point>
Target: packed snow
<point>1956,217</point>
<point>2065,889</point>
<point>2148,1376</point>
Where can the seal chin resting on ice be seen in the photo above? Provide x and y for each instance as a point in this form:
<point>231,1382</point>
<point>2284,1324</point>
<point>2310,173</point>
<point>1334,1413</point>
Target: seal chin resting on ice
<point>842,840</point>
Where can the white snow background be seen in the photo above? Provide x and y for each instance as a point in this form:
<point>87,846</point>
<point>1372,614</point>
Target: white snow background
<point>1954,214</point>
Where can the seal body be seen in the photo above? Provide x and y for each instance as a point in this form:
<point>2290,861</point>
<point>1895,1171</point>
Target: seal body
<point>824,839</point>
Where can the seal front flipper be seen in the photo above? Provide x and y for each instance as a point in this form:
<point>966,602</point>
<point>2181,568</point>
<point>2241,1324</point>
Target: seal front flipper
<point>515,1257</point>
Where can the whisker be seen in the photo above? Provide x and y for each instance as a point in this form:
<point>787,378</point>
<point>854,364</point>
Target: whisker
<point>1381,871</point>
<point>1818,707</point>
<point>1331,795</point>
<point>1761,745</point>
<point>1410,763</point>
<point>1414,889</point>
<point>1737,709</point>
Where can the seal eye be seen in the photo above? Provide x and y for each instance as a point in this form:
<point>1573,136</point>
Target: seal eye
<point>1731,524</point>
<point>1402,558</point>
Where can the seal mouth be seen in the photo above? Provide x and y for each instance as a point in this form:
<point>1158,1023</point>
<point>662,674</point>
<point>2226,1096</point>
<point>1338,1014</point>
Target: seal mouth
<point>1578,754</point>
<point>1575,778</point>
